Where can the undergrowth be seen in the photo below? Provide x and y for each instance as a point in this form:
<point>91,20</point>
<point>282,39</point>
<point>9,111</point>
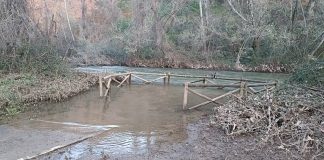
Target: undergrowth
<point>291,119</point>
<point>10,95</point>
<point>309,74</point>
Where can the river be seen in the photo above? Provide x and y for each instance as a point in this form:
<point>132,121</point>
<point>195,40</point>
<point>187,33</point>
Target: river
<point>137,118</point>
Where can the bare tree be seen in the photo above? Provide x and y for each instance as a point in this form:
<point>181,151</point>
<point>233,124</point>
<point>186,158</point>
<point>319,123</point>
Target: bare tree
<point>68,20</point>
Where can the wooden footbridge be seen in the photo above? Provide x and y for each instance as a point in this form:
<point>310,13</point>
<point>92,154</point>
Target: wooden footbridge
<point>241,87</point>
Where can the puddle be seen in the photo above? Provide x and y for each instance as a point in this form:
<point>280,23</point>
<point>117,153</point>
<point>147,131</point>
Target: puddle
<point>146,116</point>
<point>136,119</point>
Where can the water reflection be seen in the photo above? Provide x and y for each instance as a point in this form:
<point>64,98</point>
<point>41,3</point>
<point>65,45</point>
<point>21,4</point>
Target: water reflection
<point>144,116</point>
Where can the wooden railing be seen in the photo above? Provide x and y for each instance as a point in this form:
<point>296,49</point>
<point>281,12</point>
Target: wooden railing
<point>126,78</point>
<point>242,87</point>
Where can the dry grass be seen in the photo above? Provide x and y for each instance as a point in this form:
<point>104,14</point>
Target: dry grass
<point>291,118</point>
<point>57,89</point>
<point>18,90</point>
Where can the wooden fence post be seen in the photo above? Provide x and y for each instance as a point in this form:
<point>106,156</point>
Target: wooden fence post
<point>100,86</point>
<point>185,96</point>
<point>242,89</point>
<point>130,79</point>
<point>164,79</point>
<point>245,89</point>
<point>168,75</point>
<point>108,87</point>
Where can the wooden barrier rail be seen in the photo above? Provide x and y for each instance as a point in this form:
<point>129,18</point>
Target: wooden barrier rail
<point>105,81</point>
<point>241,86</point>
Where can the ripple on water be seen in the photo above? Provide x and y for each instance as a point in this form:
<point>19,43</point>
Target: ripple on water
<point>122,143</point>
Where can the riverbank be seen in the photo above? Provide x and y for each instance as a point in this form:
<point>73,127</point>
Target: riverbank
<point>167,63</point>
<point>21,90</point>
<point>182,63</point>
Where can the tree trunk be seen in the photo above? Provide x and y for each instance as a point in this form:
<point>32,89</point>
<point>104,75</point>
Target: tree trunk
<point>157,27</point>
<point>202,28</point>
<point>83,18</point>
<point>139,13</point>
<point>294,7</point>
<point>68,19</point>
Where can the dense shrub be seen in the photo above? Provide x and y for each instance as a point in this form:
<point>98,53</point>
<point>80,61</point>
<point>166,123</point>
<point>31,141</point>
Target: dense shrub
<point>311,74</point>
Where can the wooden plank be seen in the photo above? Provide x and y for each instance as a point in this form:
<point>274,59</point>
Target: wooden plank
<point>185,96</point>
<point>232,85</point>
<point>116,75</point>
<point>266,88</point>
<point>114,79</point>
<point>240,79</point>
<point>210,81</point>
<point>140,78</point>
<point>108,87</point>
<point>202,96</point>
<point>156,79</point>
<point>197,81</point>
<point>125,79</point>
<point>60,147</point>
<point>215,99</point>
<point>252,89</point>
<point>189,76</point>
<point>143,73</point>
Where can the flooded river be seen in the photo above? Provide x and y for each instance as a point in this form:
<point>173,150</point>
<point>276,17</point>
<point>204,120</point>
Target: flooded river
<point>138,118</point>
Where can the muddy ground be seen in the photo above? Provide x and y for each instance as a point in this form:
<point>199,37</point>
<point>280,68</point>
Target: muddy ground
<point>203,142</point>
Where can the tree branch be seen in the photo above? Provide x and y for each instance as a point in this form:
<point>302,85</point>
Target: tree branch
<point>318,47</point>
<point>240,15</point>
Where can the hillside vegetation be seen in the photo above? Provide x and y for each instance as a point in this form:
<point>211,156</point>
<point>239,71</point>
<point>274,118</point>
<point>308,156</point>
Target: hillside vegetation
<point>263,35</point>
<point>41,40</point>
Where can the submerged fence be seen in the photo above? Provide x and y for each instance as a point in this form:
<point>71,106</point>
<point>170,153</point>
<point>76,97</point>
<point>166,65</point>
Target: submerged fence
<point>241,87</point>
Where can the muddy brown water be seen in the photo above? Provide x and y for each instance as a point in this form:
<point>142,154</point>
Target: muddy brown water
<point>133,121</point>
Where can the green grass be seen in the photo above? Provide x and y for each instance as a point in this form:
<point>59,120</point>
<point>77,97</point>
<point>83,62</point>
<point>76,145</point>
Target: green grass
<point>311,73</point>
<point>10,98</point>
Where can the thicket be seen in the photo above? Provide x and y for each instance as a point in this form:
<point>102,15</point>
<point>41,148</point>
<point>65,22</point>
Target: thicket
<point>247,32</point>
<point>289,119</point>
<point>24,47</point>
<point>311,73</point>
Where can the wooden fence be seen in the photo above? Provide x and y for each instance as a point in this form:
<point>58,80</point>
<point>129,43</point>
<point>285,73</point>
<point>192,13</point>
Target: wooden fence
<point>126,78</point>
<point>240,86</point>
